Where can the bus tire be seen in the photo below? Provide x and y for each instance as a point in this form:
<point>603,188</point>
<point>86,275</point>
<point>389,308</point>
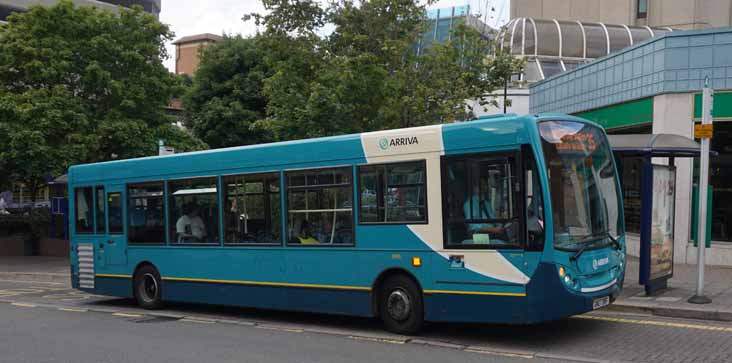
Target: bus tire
<point>148,288</point>
<point>401,307</point>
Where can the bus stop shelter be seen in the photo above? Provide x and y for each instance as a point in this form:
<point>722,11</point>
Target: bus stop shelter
<point>657,194</point>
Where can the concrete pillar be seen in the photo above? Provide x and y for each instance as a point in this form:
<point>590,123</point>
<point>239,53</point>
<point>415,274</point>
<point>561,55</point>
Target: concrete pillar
<point>673,114</point>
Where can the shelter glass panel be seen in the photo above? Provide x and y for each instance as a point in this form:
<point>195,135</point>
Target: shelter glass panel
<point>530,40</point>
<point>619,37</point>
<point>548,42</point>
<point>596,40</point>
<point>573,42</point>
<point>550,68</point>
<point>518,37</point>
<point>639,34</point>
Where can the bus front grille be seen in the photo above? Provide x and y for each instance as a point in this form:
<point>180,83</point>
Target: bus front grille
<point>85,256</point>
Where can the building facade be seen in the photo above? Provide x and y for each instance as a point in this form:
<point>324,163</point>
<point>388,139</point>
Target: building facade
<point>188,51</point>
<point>655,87</point>
<point>677,14</point>
<point>8,7</point>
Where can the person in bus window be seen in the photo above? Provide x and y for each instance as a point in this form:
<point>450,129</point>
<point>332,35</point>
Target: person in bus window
<point>480,207</point>
<point>305,236</point>
<point>190,226</point>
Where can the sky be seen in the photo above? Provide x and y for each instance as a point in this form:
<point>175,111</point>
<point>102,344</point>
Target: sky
<point>190,17</point>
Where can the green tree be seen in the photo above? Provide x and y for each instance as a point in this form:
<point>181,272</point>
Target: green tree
<point>349,67</point>
<point>225,104</point>
<point>367,74</point>
<point>81,85</point>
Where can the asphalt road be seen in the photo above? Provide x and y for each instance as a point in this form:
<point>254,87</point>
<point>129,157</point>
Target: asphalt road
<point>45,322</point>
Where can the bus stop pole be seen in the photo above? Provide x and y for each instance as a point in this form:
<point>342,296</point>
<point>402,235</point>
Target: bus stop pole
<point>707,102</point>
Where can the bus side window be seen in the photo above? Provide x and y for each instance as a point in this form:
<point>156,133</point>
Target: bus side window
<point>252,210</point>
<point>146,213</point>
<point>320,207</point>
<point>84,210</point>
<point>193,208</point>
<point>393,193</point>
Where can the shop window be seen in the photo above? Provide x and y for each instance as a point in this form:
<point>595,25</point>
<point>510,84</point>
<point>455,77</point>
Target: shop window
<point>193,207</point>
<point>146,213</point>
<point>320,207</point>
<point>393,193</point>
<point>252,212</point>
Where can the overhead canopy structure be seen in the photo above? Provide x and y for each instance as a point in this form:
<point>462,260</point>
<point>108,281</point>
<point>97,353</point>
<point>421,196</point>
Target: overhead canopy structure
<point>661,145</point>
<point>554,46</point>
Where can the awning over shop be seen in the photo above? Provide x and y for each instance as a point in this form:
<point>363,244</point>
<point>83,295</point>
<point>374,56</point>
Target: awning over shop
<point>662,145</point>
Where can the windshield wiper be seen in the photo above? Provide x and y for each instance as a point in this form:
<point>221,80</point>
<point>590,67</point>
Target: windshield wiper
<point>614,241</point>
<point>579,252</point>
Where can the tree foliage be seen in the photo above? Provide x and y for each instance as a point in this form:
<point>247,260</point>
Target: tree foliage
<point>350,67</point>
<point>81,85</point>
<point>225,105</point>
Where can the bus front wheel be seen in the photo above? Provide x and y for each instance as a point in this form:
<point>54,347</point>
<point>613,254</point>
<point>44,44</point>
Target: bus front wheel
<point>147,288</point>
<point>401,308</point>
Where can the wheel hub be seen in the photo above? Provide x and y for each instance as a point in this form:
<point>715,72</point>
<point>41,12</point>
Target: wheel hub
<point>149,287</point>
<point>398,305</point>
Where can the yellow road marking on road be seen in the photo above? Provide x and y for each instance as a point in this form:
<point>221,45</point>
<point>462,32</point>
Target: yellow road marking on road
<point>197,321</point>
<point>379,340</point>
<point>499,353</point>
<point>656,323</point>
<point>74,310</point>
<point>127,315</point>
<point>280,328</point>
<point>23,305</point>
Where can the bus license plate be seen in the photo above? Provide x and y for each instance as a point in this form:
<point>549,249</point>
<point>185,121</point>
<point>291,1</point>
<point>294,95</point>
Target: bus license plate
<point>601,302</point>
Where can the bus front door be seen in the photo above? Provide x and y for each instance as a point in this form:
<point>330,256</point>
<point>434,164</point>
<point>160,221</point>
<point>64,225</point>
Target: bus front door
<point>115,243</point>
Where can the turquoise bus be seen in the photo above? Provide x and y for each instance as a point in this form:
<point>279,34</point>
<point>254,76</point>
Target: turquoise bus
<point>498,220</point>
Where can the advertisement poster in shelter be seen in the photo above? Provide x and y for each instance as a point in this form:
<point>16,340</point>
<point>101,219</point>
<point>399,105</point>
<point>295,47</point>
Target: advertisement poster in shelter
<point>662,223</point>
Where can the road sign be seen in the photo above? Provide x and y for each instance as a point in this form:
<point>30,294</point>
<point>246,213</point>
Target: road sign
<point>702,131</point>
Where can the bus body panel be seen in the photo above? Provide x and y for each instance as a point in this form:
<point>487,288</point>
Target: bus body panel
<point>501,286</point>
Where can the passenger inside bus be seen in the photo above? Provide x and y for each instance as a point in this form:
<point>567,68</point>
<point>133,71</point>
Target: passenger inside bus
<point>190,227</point>
<point>305,236</point>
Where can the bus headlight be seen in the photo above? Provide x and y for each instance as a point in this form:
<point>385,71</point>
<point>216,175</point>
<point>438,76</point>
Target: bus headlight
<point>567,279</point>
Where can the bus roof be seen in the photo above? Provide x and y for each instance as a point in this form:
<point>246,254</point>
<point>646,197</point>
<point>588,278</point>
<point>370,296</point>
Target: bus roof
<point>324,151</point>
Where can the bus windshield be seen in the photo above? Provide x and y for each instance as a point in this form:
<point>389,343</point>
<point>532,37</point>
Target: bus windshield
<point>582,184</point>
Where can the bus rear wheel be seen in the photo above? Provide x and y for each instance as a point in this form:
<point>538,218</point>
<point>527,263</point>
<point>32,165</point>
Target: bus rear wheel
<point>401,307</point>
<point>147,288</point>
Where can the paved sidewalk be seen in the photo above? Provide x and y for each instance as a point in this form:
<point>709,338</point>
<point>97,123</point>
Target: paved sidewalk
<point>35,268</point>
<point>673,301</point>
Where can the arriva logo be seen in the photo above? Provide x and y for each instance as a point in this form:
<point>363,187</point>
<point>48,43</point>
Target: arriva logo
<point>599,262</point>
<point>384,143</point>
